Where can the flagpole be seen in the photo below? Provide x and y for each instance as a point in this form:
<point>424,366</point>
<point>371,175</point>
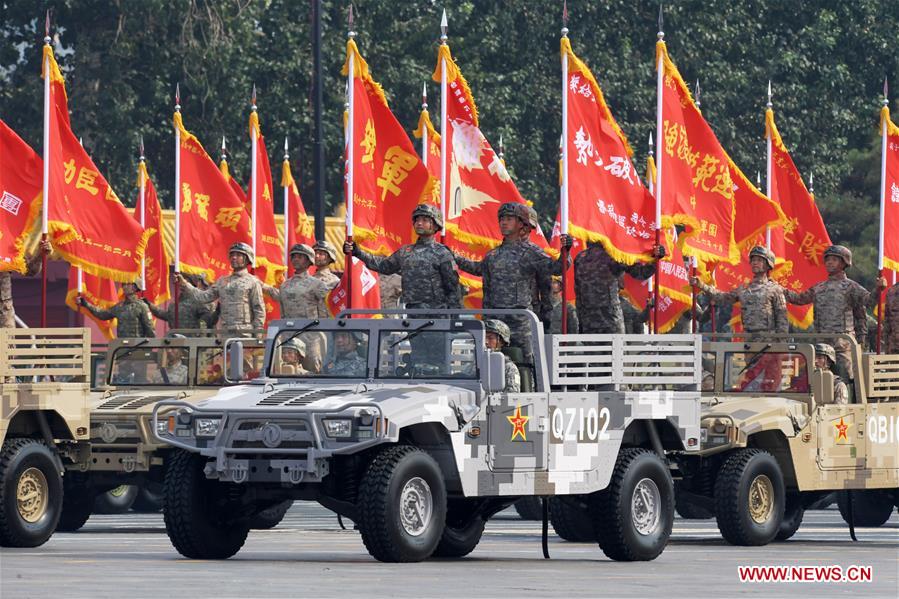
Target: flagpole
<point>177,201</point>
<point>658,185</point>
<point>883,196</point>
<point>143,207</point>
<point>652,185</point>
<point>693,292</point>
<point>424,128</point>
<point>286,210</point>
<point>444,198</point>
<point>769,106</point>
<point>254,134</point>
<point>351,93</point>
<point>45,205</point>
<point>563,199</point>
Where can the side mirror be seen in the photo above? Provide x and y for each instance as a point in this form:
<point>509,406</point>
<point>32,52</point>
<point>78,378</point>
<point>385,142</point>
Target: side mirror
<point>496,372</point>
<point>234,353</point>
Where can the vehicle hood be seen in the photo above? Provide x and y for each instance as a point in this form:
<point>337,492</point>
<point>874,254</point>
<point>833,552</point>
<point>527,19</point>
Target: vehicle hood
<point>749,412</point>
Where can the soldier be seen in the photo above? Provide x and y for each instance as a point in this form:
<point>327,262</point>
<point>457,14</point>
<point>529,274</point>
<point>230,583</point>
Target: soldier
<point>173,369</point>
<point>891,320</point>
<point>596,287</point>
<point>325,257</point>
<point>303,296</point>
<point>240,293</point>
<point>293,354</point>
<point>391,291</point>
<point>32,267</point>
<point>556,326</point>
<point>826,359</point>
<point>762,305</point>
<point>191,313</point>
<point>497,337</point>
<point>133,316</point>
<point>347,362</point>
<point>839,305</point>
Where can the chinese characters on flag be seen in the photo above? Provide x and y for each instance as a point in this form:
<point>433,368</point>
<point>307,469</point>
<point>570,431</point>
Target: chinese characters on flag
<point>299,226</point>
<point>156,260</point>
<point>269,252</point>
<point>891,187</point>
<point>21,172</point>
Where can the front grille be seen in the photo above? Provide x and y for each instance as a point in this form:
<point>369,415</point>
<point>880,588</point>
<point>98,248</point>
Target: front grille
<point>115,432</point>
<point>290,435</point>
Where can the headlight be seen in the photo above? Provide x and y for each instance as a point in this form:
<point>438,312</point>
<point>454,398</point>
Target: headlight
<point>704,435</point>
<point>207,427</point>
<point>337,428</point>
<point>162,426</point>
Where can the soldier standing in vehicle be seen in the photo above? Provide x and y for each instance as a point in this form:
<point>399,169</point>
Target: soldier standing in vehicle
<point>191,313</point>
<point>132,314</point>
<point>497,336</point>
<point>303,296</point>
<point>325,257</point>
<point>891,320</point>
<point>239,294</point>
<point>596,276</point>
<point>839,305</point>
<point>32,267</point>
<point>763,308</point>
<point>556,326</point>
<point>826,359</point>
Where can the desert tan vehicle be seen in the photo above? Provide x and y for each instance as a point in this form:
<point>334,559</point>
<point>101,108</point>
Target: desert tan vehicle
<point>44,426</point>
<point>126,463</point>
<point>774,441</point>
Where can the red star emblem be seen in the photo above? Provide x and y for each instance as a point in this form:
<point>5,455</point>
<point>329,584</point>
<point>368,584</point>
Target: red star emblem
<point>842,428</point>
<point>518,420</point>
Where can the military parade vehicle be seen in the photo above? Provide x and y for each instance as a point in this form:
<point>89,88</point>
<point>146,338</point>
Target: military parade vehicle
<point>126,462</point>
<point>407,430</point>
<point>44,426</point>
<point>774,442</point>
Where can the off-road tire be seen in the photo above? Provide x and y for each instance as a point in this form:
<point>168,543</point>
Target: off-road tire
<point>379,504</point>
<point>77,504</point>
<point>870,508</point>
<point>529,508</point>
<point>459,541</point>
<point>688,510</point>
<point>193,521</point>
<point>116,501</point>
<point>270,517</point>
<point>612,508</point>
<point>570,521</point>
<point>147,501</point>
<point>732,502</point>
<point>792,520</point>
<point>25,461</point>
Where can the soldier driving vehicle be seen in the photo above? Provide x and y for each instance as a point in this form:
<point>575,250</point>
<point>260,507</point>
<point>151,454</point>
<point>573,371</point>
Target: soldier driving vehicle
<point>420,458</point>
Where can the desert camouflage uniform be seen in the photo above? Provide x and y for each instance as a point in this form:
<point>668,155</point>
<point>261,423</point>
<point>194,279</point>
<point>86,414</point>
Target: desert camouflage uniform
<point>556,320</point>
<point>133,316</point>
<point>240,297</point>
<point>347,364</point>
<point>175,373</point>
<point>839,304</point>
<point>303,296</point>
<point>840,391</point>
<point>191,314</point>
<point>891,320</point>
<point>762,305</point>
<point>596,287</point>
<point>326,276</point>
<point>7,310</point>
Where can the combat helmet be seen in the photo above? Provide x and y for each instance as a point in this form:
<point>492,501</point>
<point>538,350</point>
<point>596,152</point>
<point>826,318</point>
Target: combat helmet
<point>516,209</point>
<point>431,211</point>
<point>533,219</point>
<point>303,250</point>
<point>295,344</point>
<point>243,248</point>
<point>840,251</point>
<point>325,246</point>
<point>823,349</point>
<point>500,328</point>
<point>763,252</point>
<point>139,284</point>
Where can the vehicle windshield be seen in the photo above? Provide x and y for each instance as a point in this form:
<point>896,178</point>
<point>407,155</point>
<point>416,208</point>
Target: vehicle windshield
<point>320,354</point>
<point>426,354</point>
<point>765,372</point>
<point>212,367</point>
<point>161,366</point>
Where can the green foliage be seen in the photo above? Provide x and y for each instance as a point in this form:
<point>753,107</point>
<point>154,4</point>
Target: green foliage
<point>826,60</point>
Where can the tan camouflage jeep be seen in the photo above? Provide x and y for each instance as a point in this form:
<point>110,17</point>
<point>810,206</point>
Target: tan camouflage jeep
<point>44,415</point>
<point>408,432</point>
<point>774,441</point>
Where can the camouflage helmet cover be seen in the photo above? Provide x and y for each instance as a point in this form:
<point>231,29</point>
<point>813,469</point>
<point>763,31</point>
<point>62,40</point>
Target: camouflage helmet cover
<point>840,251</point>
<point>764,253</point>
<point>431,211</point>
<point>533,219</point>
<point>139,284</point>
<point>303,250</point>
<point>516,209</point>
<point>822,349</point>
<point>242,248</point>
<point>325,246</point>
<point>500,328</point>
<point>296,344</point>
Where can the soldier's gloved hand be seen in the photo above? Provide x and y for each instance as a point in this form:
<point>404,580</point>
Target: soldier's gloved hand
<point>80,301</point>
<point>348,247</point>
<point>46,248</point>
<point>566,241</point>
<point>650,302</point>
<point>881,283</point>
<point>694,281</point>
<point>659,252</point>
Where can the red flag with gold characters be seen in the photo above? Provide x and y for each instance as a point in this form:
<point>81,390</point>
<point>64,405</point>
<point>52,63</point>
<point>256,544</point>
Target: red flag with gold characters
<point>156,259</point>
<point>299,227</point>
<point>269,251</point>
<point>366,291</point>
<point>212,215</point>
<point>21,180</point>
<point>891,192</point>
<point>100,292</point>
<point>801,241</point>
<point>431,159</point>
<point>389,179</point>
<point>234,183</point>
<point>88,225</point>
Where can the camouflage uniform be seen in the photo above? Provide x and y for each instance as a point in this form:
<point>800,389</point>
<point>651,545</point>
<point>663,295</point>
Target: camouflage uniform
<point>891,320</point>
<point>191,314</point>
<point>556,320</point>
<point>133,317</point>
<point>347,364</point>
<point>327,277</point>
<point>513,377</point>
<point>762,305</point>
<point>303,296</point>
<point>391,291</point>
<point>174,374</point>
<point>596,287</point>
<point>7,310</point>
<point>634,320</point>
<point>323,273</point>
<point>240,297</point>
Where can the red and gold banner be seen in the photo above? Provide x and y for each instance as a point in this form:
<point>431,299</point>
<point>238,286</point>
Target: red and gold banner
<point>100,292</point>
<point>425,127</point>
<point>88,225</point>
<point>366,291</point>
<point>891,188</point>
<point>233,182</point>
<point>388,177</point>
<point>801,241</point>
<point>269,251</point>
<point>21,180</point>
<point>300,228</point>
<point>212,215</point>
<point>156,259</point>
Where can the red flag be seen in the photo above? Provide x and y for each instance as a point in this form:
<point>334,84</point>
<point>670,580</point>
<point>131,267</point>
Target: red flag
<point>235,185</point>
<point>425,127</point>
<point>21,172</point>
<point>269,252</point>
<point>156,259</point>
<point>366,291</point>
<point>299,227</point>
<point>890,184</point>
<point>100,292</point>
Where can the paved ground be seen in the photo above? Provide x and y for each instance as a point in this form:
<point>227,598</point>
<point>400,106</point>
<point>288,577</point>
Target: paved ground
<point>309,555</point>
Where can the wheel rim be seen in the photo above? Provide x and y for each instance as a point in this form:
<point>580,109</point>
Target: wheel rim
<point>761,499</point>
<point>119,491</point>
<point>32,494</point>
<point>646,506</point>
<point>416,506</point>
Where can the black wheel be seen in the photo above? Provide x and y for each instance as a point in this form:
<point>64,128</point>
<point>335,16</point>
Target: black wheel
<point>270,517</point>
<point>749,498</point>
<point>77,504</point>
<point>30,491</point>
<point>196,513</point>
<point>871,507</point>
<point>402,505</point>
<point>686,509</point>
<point>147,501</point>
<point>571,520</point>
<point>529,508</point>
<point>116,501</point>
<point>633,516</point>
<point>462,532</point>
<point>793,513</point>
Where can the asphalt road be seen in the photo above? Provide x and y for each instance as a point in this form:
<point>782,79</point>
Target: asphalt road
<point>308,555</point>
